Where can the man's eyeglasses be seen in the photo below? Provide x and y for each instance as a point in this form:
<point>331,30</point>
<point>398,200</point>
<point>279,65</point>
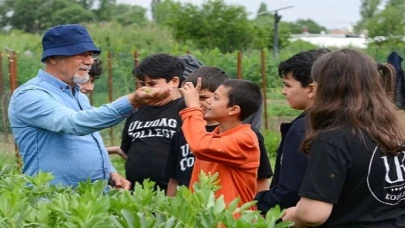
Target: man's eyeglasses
<point>84,55</point>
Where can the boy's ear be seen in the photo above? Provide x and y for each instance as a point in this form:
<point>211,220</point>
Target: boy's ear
<point>234,110</point>
<point>176,81</point>
<point>311,90</point>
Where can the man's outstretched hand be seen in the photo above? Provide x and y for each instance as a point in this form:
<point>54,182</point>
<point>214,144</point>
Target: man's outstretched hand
<point>149,96</point>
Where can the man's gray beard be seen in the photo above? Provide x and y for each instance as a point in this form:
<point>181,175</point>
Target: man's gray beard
<point>79,80</point>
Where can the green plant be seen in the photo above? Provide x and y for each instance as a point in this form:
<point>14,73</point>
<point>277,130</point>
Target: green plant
<point>32,202</point>
<point>271,141</point>
<point>118,163</point>
<point>275,109</point>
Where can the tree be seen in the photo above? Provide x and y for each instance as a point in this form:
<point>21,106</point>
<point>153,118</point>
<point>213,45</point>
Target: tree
<point>87,4</point>
<point>129,14</point>
<point>34,16</point>
<point>388,26</point>
<point>214,24</point>
<point>264,32</point>
<point>71,14</point>
<point>21,15</point>
<point>308,24</point>
<point>153,5</point>
<point>262,9</point>
<point>105,10</point>
<point>367,11</point>
<point>163,11</point>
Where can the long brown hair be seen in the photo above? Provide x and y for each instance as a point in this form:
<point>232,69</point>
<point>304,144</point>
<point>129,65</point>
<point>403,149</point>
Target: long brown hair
<point>350,92</point>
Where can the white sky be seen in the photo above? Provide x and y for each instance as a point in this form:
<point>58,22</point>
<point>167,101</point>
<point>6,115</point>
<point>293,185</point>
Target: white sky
<point>329,13</point>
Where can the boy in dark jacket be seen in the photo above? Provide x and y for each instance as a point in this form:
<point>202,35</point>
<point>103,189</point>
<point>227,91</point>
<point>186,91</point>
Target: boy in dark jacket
<point>291,162</point>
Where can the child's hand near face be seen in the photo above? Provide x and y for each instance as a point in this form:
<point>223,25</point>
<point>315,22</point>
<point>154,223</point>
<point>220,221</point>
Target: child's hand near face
<point>191,94</point>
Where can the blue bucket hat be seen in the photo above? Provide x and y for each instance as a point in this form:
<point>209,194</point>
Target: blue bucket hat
<point>67,40</point>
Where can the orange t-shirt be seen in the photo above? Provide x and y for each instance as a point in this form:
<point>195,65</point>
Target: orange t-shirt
<point>233,154</point>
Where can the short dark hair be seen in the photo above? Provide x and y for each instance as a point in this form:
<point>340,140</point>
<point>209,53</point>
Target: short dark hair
<point>246,94</point>
<point>211,77</point>
<point>96,69</point>
<point>160,66</point>
<point>300,65</point>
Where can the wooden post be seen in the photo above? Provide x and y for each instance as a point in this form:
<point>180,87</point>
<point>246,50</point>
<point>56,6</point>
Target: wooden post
<point>14,82</point>
<point>12,69</point>
<point>110,90</point>
<point>136,62</point>
<point>5,123</point>
<point>2,92</point>
<point>3,100</point>
<point>239,66</point>
<point>264,86</point>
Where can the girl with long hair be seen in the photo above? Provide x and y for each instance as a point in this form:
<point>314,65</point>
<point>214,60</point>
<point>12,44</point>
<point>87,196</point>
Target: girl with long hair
<point>355,141</point>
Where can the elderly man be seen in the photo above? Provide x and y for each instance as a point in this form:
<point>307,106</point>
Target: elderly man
<point>55,127</point>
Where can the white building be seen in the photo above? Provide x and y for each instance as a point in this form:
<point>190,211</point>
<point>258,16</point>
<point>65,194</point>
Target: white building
<point>324,40</point>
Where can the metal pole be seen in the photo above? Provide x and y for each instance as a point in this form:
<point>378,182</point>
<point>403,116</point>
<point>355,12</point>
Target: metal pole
<point>275,40</point>
<point>239,66</point>
<point>277,19</point>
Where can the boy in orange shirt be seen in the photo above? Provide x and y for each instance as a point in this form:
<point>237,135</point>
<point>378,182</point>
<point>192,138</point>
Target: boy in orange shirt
<point>232,149</point>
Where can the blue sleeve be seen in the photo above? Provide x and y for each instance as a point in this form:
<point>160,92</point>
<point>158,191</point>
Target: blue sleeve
<point>38,108</point>
<point>292,170</point>
<point>111,168</point>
